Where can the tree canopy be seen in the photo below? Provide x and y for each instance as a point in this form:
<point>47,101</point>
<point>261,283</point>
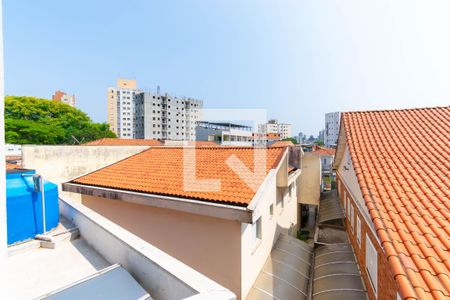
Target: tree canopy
<point>30,120</point>
<point>294,141</point>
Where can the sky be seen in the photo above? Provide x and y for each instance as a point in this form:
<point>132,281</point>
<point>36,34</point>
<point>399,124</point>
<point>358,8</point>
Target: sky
<point>297,59</point>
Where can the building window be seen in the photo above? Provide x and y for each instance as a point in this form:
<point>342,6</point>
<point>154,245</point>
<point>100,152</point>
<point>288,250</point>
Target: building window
<point>372,263</point>
<point>345,202</point>
<point>257,231</point>
<point>347,209</point>
<point>352,217</point>
<point>358,230</point>
<point>280,199</point>
<point>271,209</point>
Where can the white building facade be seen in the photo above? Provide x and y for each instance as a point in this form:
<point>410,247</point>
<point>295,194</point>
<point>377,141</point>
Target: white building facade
<point>226,134</point>
<point>121,108</point>
<point>164,117</point>
<point>283,129</point>
<point>65,98</point>
<point>331,128</point>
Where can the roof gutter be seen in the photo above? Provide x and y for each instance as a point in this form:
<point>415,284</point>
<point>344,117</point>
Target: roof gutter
<point>216,210</point>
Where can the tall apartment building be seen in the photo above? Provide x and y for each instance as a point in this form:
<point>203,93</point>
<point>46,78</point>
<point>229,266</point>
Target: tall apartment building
<point>161,116</point>
<point>63,97</point>
<point>121,107</point>
<point>321,136</point>
<point>331,128</point>
<point>284,130</point>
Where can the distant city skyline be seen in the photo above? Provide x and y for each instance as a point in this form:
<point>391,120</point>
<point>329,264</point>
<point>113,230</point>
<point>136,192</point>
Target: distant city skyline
<point>296,59</point>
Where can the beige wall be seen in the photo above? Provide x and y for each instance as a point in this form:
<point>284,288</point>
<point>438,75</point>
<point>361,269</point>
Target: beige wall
<point>209,245</point>
<point>283,220</point>
<point>112,110</point>
<point>310,179</point>
<point>62,163</point>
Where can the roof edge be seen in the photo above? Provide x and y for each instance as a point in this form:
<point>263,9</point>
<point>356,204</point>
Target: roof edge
<point>393,109</point>
<point>205,208</point>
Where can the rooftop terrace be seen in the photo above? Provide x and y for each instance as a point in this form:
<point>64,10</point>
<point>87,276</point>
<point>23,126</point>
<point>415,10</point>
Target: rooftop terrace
<point>89,247</point>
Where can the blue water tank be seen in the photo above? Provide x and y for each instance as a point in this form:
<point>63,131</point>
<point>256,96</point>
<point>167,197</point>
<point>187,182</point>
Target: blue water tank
<point>24,206</point>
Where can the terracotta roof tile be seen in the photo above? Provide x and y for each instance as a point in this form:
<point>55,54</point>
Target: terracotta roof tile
<point>282,144</point>
<point>324,151</point>
<point>10,166</point>
<point>402,161</point>
<point>159,170</point>
<point>123,142</point>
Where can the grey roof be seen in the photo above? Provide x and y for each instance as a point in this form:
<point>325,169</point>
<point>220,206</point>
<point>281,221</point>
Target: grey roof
<point>113,282</point>
<point>336,274</point>
<point>330,210</point>
<point>286,273</point>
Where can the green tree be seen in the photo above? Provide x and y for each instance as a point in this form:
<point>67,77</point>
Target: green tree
<point>319,143</point>
<point>30,120</point>
<point>294,141</point>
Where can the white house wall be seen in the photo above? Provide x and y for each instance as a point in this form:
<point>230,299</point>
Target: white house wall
<point>253,256</point>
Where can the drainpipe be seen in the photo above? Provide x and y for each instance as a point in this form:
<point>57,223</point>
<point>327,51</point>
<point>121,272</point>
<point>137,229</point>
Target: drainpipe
<point>38,181</point>
<point>39,187</point>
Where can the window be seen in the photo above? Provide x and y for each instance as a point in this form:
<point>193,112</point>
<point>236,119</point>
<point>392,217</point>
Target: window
<point>345,203</point>
<point>358,230</point>
<point>352,218</point>
<point>347,207</point>
<point>372,263</point>
<point>271,209</point>
<point>257,230</point>
<point>280,199</point>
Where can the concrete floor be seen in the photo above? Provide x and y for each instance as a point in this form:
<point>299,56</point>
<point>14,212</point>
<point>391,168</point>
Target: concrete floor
<point>39,271</point>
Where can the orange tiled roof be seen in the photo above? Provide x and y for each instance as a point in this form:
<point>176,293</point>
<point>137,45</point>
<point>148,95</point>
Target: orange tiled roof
<point>123,142</point>
<point>159,170</point>
<point>204,144</point>
<point>402,161</point>
<point>324,151</point>
<point>282,144</point>
<point>10,166</point>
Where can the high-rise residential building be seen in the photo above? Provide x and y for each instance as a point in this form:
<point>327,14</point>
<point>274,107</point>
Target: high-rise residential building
<point>121,107</point>
<point>133,113</point>
<point>331,128</point>
<point>63,97</point>
<point>272,126</point>
<point>162,116</point>
<point>322,135</point>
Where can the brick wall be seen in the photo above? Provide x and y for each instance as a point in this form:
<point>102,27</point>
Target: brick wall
<point>386,285</point>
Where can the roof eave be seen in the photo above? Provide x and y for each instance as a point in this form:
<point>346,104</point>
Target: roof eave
<point>205,208</point>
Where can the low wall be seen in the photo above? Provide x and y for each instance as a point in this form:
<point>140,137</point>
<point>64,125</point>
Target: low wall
<point>160,274</point>
<point>62,163</point>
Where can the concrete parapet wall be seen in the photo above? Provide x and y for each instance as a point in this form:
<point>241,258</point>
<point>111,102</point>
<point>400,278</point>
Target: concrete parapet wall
<point>60,163</point>
<point>163,276</point>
